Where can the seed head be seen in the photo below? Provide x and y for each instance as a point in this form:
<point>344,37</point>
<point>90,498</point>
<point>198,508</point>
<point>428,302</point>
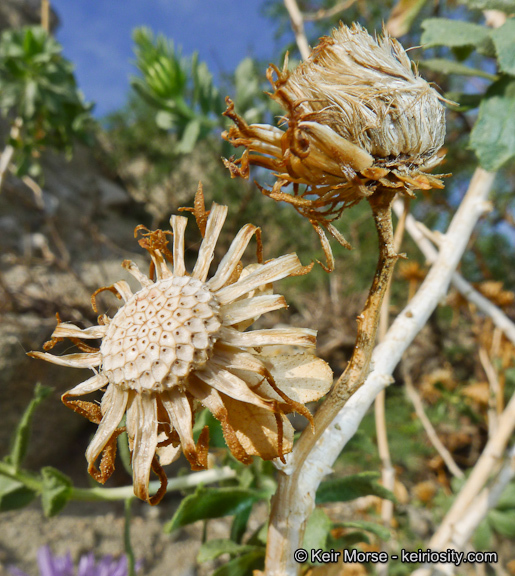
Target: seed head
<point>179,343</point>
<point>359,119</point>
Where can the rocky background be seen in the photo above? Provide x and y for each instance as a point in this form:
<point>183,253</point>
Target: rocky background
<point>58,244</point>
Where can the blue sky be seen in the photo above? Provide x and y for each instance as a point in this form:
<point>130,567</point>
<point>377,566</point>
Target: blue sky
<point>96,36</point>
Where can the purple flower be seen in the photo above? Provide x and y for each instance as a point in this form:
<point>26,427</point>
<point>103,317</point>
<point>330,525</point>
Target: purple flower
<point>50,565</point>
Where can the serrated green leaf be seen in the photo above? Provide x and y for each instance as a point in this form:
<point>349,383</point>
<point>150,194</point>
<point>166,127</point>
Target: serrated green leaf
<point>482,538</point>
<point>504,42</point>
<point>57,490</point>
<point>20,440</point>
<point>351,487</point>
<point>14,494</point>
<point>380,531</point>
<point>452,33</point>
<point>215,548</point>
<point>503,522</point>
<point>209,503</point>
<point>444,66</point>
<point>317,530</point>
<point>243,565</point>
<point>493,135</point>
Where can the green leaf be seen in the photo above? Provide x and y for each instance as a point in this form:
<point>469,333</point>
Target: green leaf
<point>507,6</point>
<point>165,120</point>
<point>57,490</point>
<point>464,101</point>
<point>211,503</point>
<point>380,531</point>
<point>504,42</point>
<point>351,487</point>
<point>189,137</point>
<point>20,441</point>
<point>503,522</point>
<point>350,539</point>
<point>493,135</point>
<point>482,538</point>
<point>243,565</point>
<point>216,436</point>
<point>507,499</point>
<point>444,66</point>
<point>317,530</point>
<point>214,548</point>
<point>239,524</point>
<point>453,33</point>
<point>14,494</point>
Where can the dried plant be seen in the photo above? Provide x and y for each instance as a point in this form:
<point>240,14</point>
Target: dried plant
<point>360,120</point>
<point>178,344</point>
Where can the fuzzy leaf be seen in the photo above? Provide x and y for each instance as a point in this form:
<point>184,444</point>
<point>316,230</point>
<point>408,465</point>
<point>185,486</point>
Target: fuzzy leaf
<point>503,522</point>
<point>243,565</point>
<point>351,487</point>
<point>493,135</point>
<point>317,530</point>
<point>482,539</point>
<point>57,489</point>
<point>507,499</point>
<point>214,548</point>
<point>380,531</point>
<point>444,66</point>
<point>504,41</point>
<point>21,437</point>
<point>14,494</point>
<point>453,33</point>
<point>211,503</point>
<point>507,6</point>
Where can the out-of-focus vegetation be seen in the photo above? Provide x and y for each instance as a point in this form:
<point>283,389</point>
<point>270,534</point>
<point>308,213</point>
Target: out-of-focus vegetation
<point>167,138</point>
<point>39,96</point>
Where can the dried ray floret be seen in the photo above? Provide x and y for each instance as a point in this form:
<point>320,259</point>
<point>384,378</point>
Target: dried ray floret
<point>180,342</point>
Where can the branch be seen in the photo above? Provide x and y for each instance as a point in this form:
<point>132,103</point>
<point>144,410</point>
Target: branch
<point>329,13</point>
<point>498,317</point>
<point>297,24</point>
<point>386,357</point>
<point>469,509</point>
<point>291,505</point>
<point>428,427</point>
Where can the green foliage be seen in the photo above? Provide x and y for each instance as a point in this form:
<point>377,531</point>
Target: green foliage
<point>453,33</point>
<point>57,490</point>
<point>180,89</point>
<point>317,530</point>
<point>21,437</point>
<point>37,86</point>
<point>493,136</point>
<point>209,503</point>
<point>351,487</point>
<point>14,494</point>
<point>504,41</point>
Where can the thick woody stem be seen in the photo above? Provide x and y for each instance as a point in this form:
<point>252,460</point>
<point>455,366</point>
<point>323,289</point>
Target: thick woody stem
<point>290,508</point>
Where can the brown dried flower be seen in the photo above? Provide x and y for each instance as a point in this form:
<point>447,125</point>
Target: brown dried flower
<point>359,119</point>
<point>179,344</point>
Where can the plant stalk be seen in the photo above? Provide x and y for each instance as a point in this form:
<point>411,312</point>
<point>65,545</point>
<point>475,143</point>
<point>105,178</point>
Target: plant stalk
<point>290,507</point>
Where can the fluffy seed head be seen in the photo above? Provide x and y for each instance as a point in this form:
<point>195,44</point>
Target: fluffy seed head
<point>358,120</point>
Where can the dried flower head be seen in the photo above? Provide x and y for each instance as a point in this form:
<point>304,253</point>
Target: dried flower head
<point>179,343</point>
<point>359,119</point>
